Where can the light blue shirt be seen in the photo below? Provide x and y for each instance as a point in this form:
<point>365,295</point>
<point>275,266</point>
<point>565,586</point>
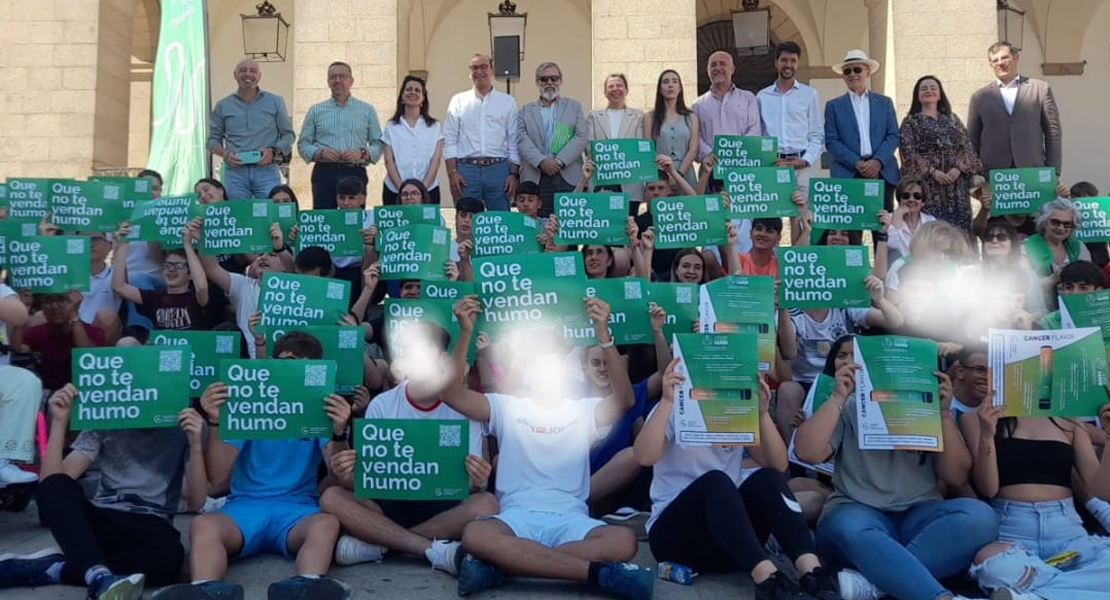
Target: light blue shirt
<point>329,126</point>
<point>794,118</point>
<point>261,123</point>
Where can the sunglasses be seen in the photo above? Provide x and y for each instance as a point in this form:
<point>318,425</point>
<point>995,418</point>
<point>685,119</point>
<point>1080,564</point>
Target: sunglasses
<point>1062,224</point>
<point>852,70</point>
<point>914,195</point>
<point>548,78</point>
<point>995,237</point>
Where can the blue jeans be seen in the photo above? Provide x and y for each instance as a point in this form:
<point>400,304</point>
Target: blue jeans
<point>904,553</point>
<point>486,183</point>
<point>250,181</point>
<point>1040,530</point>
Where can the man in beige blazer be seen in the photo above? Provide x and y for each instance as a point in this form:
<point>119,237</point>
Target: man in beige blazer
<point>1013,122</point>
<point>618,121</point>
<point>551,137</point>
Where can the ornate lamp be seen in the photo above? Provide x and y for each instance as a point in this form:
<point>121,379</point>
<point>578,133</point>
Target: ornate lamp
<point>266,34</point>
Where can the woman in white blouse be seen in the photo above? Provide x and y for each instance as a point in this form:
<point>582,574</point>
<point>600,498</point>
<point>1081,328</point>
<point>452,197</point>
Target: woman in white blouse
<point>413,143</point>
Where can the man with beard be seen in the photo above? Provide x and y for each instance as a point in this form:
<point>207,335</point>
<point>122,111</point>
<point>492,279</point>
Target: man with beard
<point>552,137</point>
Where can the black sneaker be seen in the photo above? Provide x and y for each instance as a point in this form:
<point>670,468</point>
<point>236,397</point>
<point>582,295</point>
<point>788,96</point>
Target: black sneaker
<point>820,584</point>
<point>209,590</point>
<point>779,587</point>
<point>28,571</point>
<point>309,588</point>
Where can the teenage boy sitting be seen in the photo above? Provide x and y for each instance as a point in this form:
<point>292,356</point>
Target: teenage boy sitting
<point>422,528</point>
<point>273,506</point>
<point>124,537</point>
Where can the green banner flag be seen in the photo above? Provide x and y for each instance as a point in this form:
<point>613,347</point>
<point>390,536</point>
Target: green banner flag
<point>86,205</point>
<point>1094,219</point>
<point>689,221</point>
<point>1087,310</point>
<point>496,233</point>
<point>741,304</point>
<point>415,252</point>
<point>629,320</point>
<point>897,394</point>
<point>852,204</point>
<point>623,161</point>
<point>718,402</point>
<point>179,107</point>
<point>1056,373</point>
<point>162,219</point>
<point>743,151</point>
<point>403,215</point>
<point>591,219</point>
<point>760,193</point>
<point>1021,191</point>
<point>49,264</point>
<point>545,290</point>
<point>284,300</point>
<point>337,231</point>
<point>237,227</point>
<point>276,399</point>
<point>824,277</point>
<point>129,388</point>
<point>342,345</point>
<point>207,349</point>
<point>411,459</point>
<point>132,190</point>
<point>28,200</point>
<point>679,301</point>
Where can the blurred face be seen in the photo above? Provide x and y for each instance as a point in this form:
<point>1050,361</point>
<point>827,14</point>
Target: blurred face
<point>548,82</point>
<point>657,189</point>
<point>786,65</point>
<point>928,91</point>
<point>974,375</point>
<point>410,194</point>
<point>1059,226</point>
<point>595,369</point>
<point>418,359</point>
<point>56,308</point>
<point>480,71</point>
<point>689,269</point>
<point>837,237</point>
<point>247,75</point>
<point>763,237</point>
<point>721,69</point>
<point>462,224</point>
<point>997,243</point>
<point>1004,64</point>
<point>268,262</point>
<point>670,85</point>
<point>615,92</point>
<point>282,196</point>
<point>845,355</point>
<point>913,197</point>
<point>208,193</point>
<point>339,81</point>
<point>410,290</point>
<point>175,270</point>
<point>347,201</point>
<point>597,261</point>
<point>528,204</point>
<point>855,77</point>
<point>413,94</point>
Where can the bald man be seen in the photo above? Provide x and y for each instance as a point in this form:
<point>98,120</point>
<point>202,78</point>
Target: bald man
<point>251,131</point>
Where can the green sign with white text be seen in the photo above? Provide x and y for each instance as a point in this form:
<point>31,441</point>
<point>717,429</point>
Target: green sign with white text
<point>337,231</point>
<point>411,459</point>
<point>623,161</point>
<point>288,300</point>
<point>741,304</point>
<point>404,215</point>
<point>679,301</point>
<point>591,219</point>
<point>1021,191</point>
<point>237,227</point>
<point>162,219</point>
<point>760,193</point>
<point>689,221</point>
<point>897,394</point>
<point>415,252</point>
<point>1094,219</point>
<point>744,151</point>
<point>28,199</point>
<point>718,401</point>
<point>207,349</point>
<point>129,388</point>
<point>545,290</point>
<point>86,205</point>
<point>629,320</point>
<point>823,277</point>
<point>48,264</point>
<point>276,399</point>
<point>342,344</point>
<point>852,204</point>
<point>497,233</point>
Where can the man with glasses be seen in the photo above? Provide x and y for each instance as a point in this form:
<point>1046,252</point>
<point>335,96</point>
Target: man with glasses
<point>55,339</point>
<point>861,131</point>
<point>480,140</point>
<point>183,304</point>
<point>552,137</point>
<point>341,135</point>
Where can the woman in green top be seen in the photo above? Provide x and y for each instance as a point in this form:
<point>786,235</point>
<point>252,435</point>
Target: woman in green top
<point>1053,246</point>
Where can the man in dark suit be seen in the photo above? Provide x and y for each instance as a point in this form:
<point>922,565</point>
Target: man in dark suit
<point>1013,121</point>
<point>861,131</point>
<point>551,136</point>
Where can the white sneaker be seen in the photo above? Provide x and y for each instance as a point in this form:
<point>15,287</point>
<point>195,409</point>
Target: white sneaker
<point>212,505</point>
<point>444,556</point>
<point>1008,594</point>
<point>11,474</point>
<point>854,586</point>
<point>350,550</point>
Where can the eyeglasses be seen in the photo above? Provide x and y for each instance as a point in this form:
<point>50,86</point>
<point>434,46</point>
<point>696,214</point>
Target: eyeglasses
<point>548,78</point>
<point>1069,225</point>
<point>852,70</point>
<point>995,237</point>
<point>175,266</point>
<point>908,195</point>
<point>411,194</point>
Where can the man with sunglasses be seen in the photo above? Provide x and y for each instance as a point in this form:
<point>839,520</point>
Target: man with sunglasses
<point>551,138</point>
<point>861,131</point>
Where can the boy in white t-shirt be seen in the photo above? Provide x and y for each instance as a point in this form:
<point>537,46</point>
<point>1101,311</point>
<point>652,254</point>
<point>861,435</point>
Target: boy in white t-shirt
<point>543,479</point>
<point>414,527</point>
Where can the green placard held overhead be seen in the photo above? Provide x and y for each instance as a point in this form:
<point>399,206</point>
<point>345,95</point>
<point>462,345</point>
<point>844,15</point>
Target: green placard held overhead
<point>689,221</point>
<point>623,161</point>
<point>28,199</point>
<point>48,264</point>
<point>744,151</point>
<point>496,233</point>
<point>591,218</point>
<point>852,204</point>
<point>207,348</point>
<point>276,399</point>
<point>414,252</point>
<point>823,277</point>
<point>162,219</point>
<point>129,388</point>
<point>337,231</point>
<point>532,290</point>
<point>1021,191</point>
<point>342,344</point>
<point>86,205</point>
<point>237,227</point>
<point>760,193</point>
<point>284,300</point>
<point>411,459</point>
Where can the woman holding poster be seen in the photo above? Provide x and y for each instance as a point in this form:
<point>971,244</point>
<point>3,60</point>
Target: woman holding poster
<point>1026,464</point>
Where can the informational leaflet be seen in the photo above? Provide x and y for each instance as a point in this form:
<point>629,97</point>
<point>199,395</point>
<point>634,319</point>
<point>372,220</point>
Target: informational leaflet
<point>545,290</point>
<point>718,402</point>
<point>623,161</point>
<point>897,394</point>
<point>497,233</point>
<point>823,277</point>
<point>129,388</point>
<point>49,264</point>
<point>1021,191</point>
<point>591,218</point>
<point>411,459</point>
<point>743,151</point>
<point>1094,219</point>
<point>689,221</point>
<point>1087,310</point>
<point>237,227</point>
<point>414,252</point>
<point>852,204</point>
<point>741,304</point>
<point>1057,373</point>
<point>680,301</point>
<point>337,231</point>
<point>284,300</point>
<point>760,192</point>
<point>206,349</point>
<point>273,399</point>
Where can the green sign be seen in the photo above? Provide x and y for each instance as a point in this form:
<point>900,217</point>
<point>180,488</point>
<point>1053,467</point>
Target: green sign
<point>404,215</point>
<point>744,151</point>
<point>3,195</point>
<point>760,193</point>
<point>14,231</point>
<point>337,231</point>
<point>718,402</point>
<point>207,349</point>
<point>1021,191</point>
<point>1087,310</point>
<point>623,161</point>
<point>1094,219</point>
<point>129,388</point>
<point>689,221</point>
<point>1058,373</point>
<point>852,204</point>
<point>28,199</point>
<point>342,344</point>
<point>679,301</point>
<point>288,300</point>
<point>497,233</point>
<point>285,213</point>
<point>823,277</point>
<point>591,219</point>
<point>897,394</point>
<point>546,289</point>
<point>86,205</point>
<point>162,219</point>
<point>49,264</point>
<point>277,399</point>
<point>414,252</point>
<point>237,227</point>
<point>132,190</point>
<point>411,459</point>
<point>741,304</point>
<point>629,319</point>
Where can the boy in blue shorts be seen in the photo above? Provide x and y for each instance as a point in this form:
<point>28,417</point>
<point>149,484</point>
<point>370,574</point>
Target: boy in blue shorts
<point>273,506</point>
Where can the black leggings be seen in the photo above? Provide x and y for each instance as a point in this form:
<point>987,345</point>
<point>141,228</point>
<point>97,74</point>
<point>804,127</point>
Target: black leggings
<point>714,527</point>
<point>124,542</point>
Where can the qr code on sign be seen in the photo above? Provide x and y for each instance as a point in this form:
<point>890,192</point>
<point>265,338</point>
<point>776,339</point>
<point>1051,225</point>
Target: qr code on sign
<point>111,192</point>
<point>450,436</point>
<point>75,246</point>
<point>632,290</point>
<point>225,344</point>
<point>429,213</point>
<point>871,188</point>
<point>1044,176</point>
<point>616,202</point>
<point>783,175</point>
<point>136,231</point>
<point>853,258</point>
<point>29,229</point>
<point>260,209</point>
<point>169,361</point>
<point>335,291</point>
<point>348,338</point>
<point>315,375</point>
<point>684,295</point>
<point>712,204</point>
<point>768,145</point>
<point>439,237</point>
<point>644,146</point>
<point>285,211</point>
<point>351,218</point>
<point>565,266</point>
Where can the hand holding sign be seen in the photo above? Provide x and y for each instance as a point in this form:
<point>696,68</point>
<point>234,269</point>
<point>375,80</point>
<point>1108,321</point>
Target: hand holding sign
<point>60,404</point>
<point>214,396</point>
<point>192,424</point>
<point>478,469</point>
<point>343,465</point>
<point>339,411</point>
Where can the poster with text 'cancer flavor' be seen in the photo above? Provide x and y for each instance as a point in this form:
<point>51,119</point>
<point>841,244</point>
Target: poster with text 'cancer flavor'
<point>1057,373</point>
<point>1021,191</point>
<point>897,394</point>
<point>411,459</point>
<point>741,304</point>
<point>275,399</point>
<point>129,388</point>
<point>718,402</point>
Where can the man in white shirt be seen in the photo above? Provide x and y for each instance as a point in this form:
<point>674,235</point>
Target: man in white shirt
<point>480,134</point>
<point>551,138</point>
